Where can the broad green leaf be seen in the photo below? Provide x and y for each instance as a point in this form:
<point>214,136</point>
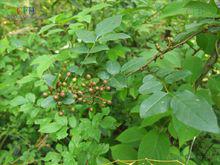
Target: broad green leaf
<point>177,76</point>
<point>194,112</point>
<point>50,127</point>
<point>150,85</point>
<point>183,131</point>
<point>72,121</point>
<point>123,152</point>
<point>4,44</point>
<point>43,63</point>
<point>155,104</point>
<point>86,36</point>
<point>45,28</point>
<point>113,67</point>
<point>69,99</point>
<point>108,25</point>
<point>54,31</point>
<point>189,64</point>
<point>49,79</point>
<point>62,133</point>
<point>206,42</point>
<point>154,145</point>
<point>48,102</point>
<point>113,37</point>
<point>174,8</point>
<point>117,51</point>
<point>200,9</point>
<point>131,134</point>
<point>62,120</point>
<point>133,65</point>
<point>19,100</point>
<point>108,122</point>
<point>52,156</point>
<point>30,97</point>
<point>98,48</point>
<point>119,82</point>
<point>152,119</point>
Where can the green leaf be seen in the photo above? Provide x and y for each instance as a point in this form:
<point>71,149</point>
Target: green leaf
<point>189,64</point>
<point>131,134</point>
<point>113,67</point>
<point>194,112</point>
<point>86,36</point>
<point>113,37</point>
<point>151,85</point>
<point>155,104</point>
<point>174,8</point>
<point>98,48</point>
<point>206,42</point>
<point>69,99</point>
<point>48,102</point>
<point>50,127</point>
<point>49,79</point>
<point>52,156</point>
<point>133,65</point>
<point>108,122</point>
<point>19,100</point>
<point>54,31</point>
<point>43,63</point>
<point>183,131</point>
<point>108,25</point>
<point>72,121</point>
<point>119,82</point>
<point>123,152</point>
<point>4,44</point>
<point>45,28</point>
<point>117,51</point>
<point>154,145</point>
<point>177,76</point>
<point>62,133</point>
<point>201,9</point>
<point>30,97</point>
<point>152,119</point>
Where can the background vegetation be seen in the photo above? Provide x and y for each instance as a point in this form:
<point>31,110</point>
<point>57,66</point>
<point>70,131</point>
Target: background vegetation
<point>115,81</point>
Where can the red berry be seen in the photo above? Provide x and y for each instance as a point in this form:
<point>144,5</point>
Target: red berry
<point>62,94</point>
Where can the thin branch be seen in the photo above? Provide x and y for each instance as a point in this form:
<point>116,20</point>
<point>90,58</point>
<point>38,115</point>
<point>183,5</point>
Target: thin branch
<point>160,53</point>
<point>209,65</point>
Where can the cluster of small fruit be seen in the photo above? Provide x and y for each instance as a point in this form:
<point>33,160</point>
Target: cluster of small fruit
<point>84,90</point>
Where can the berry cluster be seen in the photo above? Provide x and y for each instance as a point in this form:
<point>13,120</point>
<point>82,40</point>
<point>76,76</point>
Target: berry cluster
<point>85,90</point>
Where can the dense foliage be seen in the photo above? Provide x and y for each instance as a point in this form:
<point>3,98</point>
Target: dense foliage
<point>116,81</point>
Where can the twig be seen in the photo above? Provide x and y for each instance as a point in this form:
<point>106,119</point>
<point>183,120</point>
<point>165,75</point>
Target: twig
<point>160,53</point>
<point>190,151</point>
<point>209,65</point>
